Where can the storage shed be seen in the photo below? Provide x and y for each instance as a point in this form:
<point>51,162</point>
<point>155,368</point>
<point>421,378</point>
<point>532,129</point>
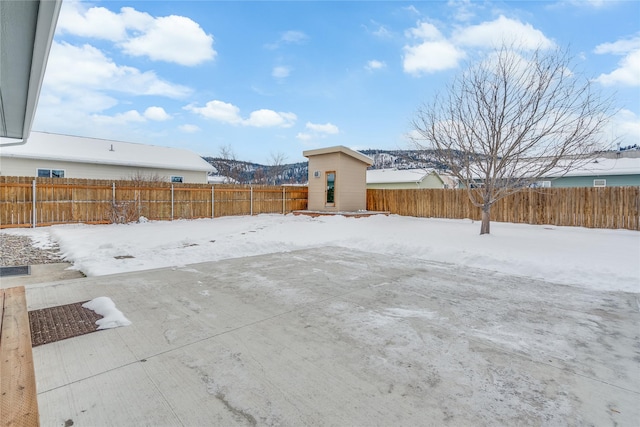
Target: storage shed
<point>337,179</point>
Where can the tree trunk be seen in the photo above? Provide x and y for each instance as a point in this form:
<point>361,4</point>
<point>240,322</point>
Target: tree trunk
<point>486,219</point>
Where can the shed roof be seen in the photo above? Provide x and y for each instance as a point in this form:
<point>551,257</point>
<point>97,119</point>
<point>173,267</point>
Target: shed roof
<point>51,146</point>
<point>397,176</point>
<point>339,149</point>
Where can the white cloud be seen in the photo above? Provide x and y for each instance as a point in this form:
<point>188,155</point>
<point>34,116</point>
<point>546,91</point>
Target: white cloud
<point>156,114</point>
<point>378,30</point>
<point>374,64</point>
<point>218,110</point>
<point>280,72</point>
<point>317,131</point>
<point>327,128</point>
<point>591,3</point>
<point>463,9</point>
<point>269,118</point>
<point>431,56</point>
<point>625,127</point>
<point>229,113</point>
<point>93,71</point>
<point>412,10</point>
<point>188,128</point>
<point>619,47</point>
<point>424,30</point>
<point>96,22</point>
<point>119,119</point>
<point>176,39</point>
<point>304,136</point>
<point>293,37</point>
<point>492,34</point>
<point>628,71</point>
<point>173,39</point>
<point>434,53</point>
<point>131,116</point>
<point>288,37</point>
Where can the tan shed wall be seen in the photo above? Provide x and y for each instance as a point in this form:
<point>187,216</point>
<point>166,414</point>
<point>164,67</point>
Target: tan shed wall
<point>351,189</point>
<point>12,166</point>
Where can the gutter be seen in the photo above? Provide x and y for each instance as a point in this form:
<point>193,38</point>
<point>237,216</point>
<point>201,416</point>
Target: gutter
<point>12,143</point>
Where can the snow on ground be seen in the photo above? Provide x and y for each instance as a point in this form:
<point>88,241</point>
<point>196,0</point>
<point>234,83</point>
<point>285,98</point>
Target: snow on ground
<point>111,316</point>
<point>591,258</point>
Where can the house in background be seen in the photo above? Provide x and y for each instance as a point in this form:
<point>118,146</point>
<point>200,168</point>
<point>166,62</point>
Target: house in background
<point>404,178</point>
<point>63,156</point>
<point>602,172</point>
<point>337,179</point>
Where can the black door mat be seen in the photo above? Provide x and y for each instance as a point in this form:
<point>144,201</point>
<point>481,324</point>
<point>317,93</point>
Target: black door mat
<point>17,270</point>
<point>61,322</point>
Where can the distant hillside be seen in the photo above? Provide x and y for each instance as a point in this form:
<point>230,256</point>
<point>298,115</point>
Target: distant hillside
<point>297,173</point>
<point>242,172</point>
<point>238,171</point>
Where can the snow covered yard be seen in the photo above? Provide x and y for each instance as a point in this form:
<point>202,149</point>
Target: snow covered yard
<point>591,258</point>
<point>343,321</point>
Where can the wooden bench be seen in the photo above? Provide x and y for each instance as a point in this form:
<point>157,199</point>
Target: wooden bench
<point>18,398</point>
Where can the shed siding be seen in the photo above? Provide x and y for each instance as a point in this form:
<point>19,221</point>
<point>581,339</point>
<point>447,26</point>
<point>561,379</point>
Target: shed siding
<point>321,163</point>
<point>12,166</point>
<point>351,191</point>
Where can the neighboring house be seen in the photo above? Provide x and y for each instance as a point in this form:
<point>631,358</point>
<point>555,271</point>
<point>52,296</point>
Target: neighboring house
<point>337,179</point>
<point>403,178</point>
<point>219,179</point>
<point>64,156</point>
<point>616,172</point>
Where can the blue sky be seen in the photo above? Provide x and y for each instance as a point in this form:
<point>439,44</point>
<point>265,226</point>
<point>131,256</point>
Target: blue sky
<point>275,78</point>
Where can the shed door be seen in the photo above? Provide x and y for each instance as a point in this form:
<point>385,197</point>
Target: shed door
<point>331,188</point>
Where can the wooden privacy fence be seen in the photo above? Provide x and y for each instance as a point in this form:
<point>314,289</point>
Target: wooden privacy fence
<point>29,202</point>
<point>64,200</point>
<point>609,207</point>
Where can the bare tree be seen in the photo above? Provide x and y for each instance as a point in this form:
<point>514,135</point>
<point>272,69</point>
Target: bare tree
<point>276,169</point>
<point>228,167</point>
<point>510,120</point>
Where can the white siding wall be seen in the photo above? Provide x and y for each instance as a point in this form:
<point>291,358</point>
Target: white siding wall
<point>431,181</point>
<point>12,166</point>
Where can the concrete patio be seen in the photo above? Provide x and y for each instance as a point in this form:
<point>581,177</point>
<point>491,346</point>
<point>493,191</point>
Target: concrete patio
<point>329,336</point>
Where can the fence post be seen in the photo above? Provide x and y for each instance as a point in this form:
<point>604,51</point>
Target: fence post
<point>171,202</point>
<point>34,213</point>
<point>213,211</point>
<point>251,199</point>
<point>283,201</point>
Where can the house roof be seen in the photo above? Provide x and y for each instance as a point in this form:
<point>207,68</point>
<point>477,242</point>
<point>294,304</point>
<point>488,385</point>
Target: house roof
<point>51,146</point>
<point>27,34</point>
<point>339,149</point>
<point>602,166</point>
<point>397,176</point>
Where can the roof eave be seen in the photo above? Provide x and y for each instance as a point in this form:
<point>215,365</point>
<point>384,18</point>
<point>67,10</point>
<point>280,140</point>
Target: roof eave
<point>28,29</point>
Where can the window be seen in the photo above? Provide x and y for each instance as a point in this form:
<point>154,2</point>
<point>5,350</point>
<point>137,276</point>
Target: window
<point>331,188</point>
<point>541,184</point>
<point>50,173</point>
<point>176,179</point>
<point>599,182</point>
